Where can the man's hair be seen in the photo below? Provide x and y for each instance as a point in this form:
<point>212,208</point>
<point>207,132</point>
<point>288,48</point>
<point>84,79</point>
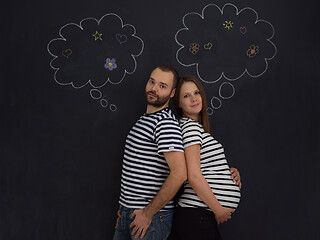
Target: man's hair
<point>167,68</point>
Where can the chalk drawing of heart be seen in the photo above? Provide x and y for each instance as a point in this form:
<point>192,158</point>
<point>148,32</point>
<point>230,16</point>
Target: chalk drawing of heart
<point>66,53</point>
<point>243,30</point>
<point>121,38</point>
<point>208,46</point>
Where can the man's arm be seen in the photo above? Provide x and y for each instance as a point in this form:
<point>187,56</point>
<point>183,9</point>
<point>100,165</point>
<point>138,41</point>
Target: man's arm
<point>235,175</point>
<point>177,176</point>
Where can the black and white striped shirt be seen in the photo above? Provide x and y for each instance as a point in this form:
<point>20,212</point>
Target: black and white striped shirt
<point>144,168</point>
<point>213,165</point>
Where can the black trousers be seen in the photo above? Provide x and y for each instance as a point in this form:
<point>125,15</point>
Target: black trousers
<point>195,224</point>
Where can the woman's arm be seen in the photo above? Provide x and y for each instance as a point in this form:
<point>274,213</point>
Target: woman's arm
<point>201,186</point>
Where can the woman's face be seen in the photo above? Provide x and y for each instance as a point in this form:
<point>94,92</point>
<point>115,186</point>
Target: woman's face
<point>190,100</point>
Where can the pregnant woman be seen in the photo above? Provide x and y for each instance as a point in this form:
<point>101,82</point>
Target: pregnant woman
<point>209,195</point>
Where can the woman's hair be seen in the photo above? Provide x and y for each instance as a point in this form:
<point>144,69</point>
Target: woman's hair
<point>204,119</point>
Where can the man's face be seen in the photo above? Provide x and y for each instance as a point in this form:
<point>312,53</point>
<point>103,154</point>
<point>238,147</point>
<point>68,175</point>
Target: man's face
<point>159,88</point>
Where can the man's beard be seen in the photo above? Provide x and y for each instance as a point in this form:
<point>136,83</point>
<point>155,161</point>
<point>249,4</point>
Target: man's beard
<point>159,102</point>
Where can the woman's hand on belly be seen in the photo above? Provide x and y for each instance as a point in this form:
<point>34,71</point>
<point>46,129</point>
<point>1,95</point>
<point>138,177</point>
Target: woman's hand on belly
<point>223,214</point>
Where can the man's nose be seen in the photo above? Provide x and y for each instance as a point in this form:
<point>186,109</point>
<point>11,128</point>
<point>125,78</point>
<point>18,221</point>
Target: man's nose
<point>154,88</point>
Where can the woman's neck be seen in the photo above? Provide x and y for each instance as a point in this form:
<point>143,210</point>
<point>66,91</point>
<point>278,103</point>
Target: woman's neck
<point>193,117</point>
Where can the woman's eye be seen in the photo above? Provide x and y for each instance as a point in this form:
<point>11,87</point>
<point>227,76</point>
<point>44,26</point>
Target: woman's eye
<point>185,96</point>
<point>197,92</point>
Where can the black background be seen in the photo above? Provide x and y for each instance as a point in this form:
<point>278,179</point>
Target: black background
<point>61,152</point>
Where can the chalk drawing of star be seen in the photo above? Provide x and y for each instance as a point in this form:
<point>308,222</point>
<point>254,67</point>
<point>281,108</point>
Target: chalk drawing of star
<point>228,24</point>
<point>97,36</point>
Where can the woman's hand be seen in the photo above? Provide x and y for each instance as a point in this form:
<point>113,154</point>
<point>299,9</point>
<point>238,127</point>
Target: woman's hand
<point>223,214</point>
<point>235,175</point>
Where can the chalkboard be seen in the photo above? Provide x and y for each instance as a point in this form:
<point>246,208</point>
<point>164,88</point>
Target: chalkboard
<point>72,85</point>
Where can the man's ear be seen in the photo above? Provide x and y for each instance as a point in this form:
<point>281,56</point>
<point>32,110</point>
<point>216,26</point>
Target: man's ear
<point>172,93</point>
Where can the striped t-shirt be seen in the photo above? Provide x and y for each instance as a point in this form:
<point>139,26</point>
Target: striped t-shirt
<point>213,165</point>
<point>144,168</point>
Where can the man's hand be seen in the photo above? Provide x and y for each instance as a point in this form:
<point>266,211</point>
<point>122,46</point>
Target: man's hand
<point>223,215</point>
<point>118,219</point>
<point>177,176</point>
<point>235,175</point>
<point>141,223</point>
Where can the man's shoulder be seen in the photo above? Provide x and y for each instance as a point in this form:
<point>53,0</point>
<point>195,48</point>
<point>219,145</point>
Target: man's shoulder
<point>163,115</point>
<point>168,120</point>
<point>166,114</point>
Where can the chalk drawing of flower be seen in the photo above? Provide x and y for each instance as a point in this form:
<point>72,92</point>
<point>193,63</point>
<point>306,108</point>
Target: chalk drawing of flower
<point>252,51</point>
<point>110,64</point>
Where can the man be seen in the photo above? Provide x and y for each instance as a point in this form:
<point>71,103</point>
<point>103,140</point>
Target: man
<point>153,165</point>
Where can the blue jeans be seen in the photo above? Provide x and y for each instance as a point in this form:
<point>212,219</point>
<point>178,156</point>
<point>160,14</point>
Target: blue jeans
<point>159,228</point>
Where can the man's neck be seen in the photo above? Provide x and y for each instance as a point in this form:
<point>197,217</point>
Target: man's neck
<point>153,109</point>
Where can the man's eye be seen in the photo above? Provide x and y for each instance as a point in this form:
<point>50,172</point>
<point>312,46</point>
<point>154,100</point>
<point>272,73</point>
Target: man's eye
<point>162,86</point>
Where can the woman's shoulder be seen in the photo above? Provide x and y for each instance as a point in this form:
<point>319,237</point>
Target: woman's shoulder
<point>188,123</point>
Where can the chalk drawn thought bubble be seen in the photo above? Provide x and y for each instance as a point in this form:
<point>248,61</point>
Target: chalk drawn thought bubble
<point>225,43</point>
<point>95,52</point>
